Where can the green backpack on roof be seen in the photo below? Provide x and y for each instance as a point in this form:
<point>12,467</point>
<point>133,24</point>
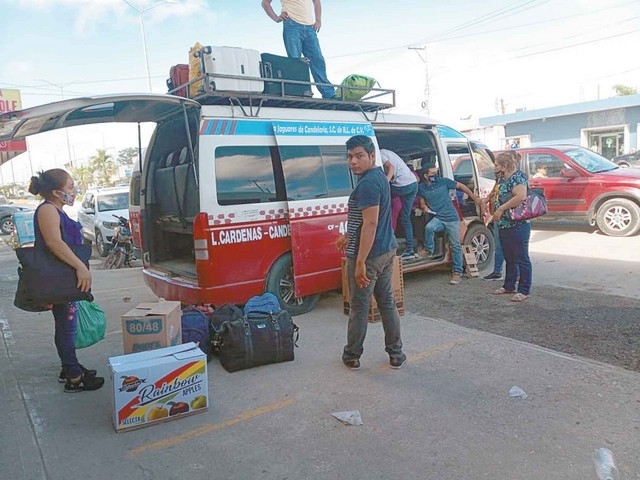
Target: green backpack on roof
<point>364,84</point>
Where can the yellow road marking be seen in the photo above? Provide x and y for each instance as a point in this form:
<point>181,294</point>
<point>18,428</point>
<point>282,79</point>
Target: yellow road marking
<point>432,351</point>
<point>175,440</point>
<point>428,353</point>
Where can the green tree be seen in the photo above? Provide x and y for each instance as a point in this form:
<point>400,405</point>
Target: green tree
<point>103,168</point>
<point>83,176</point>
<point>622,90</point>
<point>127,156</point>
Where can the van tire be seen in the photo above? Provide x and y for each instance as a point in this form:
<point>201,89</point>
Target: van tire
<point>280,282</point>
<point>481,241</point>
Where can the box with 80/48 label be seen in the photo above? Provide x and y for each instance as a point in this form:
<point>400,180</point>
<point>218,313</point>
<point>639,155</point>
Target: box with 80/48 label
<point>152,325</point>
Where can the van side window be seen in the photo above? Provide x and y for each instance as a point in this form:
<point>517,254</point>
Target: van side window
<point>244,174</point>
<point>315,172</point>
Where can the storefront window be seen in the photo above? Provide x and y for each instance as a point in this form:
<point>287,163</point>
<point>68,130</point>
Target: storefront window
<point>607,143</point>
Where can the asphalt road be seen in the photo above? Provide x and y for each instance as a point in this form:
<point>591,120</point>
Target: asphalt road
<point>585,297</point>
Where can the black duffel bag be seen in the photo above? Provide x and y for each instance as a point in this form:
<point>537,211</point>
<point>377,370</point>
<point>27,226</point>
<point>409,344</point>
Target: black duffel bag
<point>260,339</point>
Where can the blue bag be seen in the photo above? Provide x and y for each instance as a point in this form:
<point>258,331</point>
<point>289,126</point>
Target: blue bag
<point>195,328</point>
<point>262,305</point>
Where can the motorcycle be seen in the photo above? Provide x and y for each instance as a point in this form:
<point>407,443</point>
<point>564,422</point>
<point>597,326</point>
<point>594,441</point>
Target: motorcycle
<point>121,252</point>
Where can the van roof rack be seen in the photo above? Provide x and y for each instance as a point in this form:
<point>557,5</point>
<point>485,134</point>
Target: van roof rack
<point>374,99</point>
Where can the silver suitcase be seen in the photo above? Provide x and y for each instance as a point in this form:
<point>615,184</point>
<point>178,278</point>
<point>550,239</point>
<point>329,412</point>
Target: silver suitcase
<point>240,62</point>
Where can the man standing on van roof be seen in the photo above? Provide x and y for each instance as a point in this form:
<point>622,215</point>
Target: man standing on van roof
<point>370,247</point>
<point>300,35</point>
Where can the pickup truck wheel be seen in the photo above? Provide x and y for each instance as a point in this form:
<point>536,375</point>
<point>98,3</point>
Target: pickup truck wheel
<point>481,241</point>
<point>7,226</point>
<point>280,282</point>
<point>618,218</point>
<point>102,249</point>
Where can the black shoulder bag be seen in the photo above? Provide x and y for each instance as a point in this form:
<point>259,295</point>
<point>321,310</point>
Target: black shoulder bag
<point>44,279</point>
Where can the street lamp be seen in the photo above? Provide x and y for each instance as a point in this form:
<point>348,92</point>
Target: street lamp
<point>61,86</point>
<point>144,40</point>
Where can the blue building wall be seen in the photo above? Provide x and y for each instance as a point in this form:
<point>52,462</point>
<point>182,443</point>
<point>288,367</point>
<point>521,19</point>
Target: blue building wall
<point>564,124</point>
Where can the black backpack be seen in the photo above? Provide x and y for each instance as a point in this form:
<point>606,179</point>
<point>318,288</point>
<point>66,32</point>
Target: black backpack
<point>225,313</point>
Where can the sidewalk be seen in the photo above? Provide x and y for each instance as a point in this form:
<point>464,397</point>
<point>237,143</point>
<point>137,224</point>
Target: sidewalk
<point>446,414</point>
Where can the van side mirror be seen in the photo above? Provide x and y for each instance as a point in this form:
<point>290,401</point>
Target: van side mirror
<point>89,210</point>
<point>568,173</point>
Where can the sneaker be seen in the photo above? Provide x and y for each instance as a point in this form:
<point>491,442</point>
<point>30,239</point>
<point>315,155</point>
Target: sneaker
<point>86,383</point>
<point>493,276</point>
<point>409,255</point>
<point>352,364</point>
<point>62,378</point>
<point>397,362</point>
<point>456,278</point>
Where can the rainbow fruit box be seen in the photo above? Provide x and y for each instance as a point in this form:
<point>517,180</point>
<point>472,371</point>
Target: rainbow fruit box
<point>158,385</point>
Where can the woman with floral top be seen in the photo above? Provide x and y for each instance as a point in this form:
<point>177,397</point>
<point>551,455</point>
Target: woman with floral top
<point>514,235</point>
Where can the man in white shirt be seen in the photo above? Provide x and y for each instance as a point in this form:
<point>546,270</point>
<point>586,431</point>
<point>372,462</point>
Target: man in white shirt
<point>405,186</point>
<point>300,35</point>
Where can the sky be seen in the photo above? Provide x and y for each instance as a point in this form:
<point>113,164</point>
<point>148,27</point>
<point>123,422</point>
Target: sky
<point>465,58</point>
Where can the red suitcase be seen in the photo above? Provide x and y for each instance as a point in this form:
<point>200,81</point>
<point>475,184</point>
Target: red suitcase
<point>178,75</point>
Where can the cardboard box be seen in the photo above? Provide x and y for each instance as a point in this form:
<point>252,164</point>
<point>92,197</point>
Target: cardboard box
<point>159,385</point>
<point>397,284</point>
<point>152,325</point>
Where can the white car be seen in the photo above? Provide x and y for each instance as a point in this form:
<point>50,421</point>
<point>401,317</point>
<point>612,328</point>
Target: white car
<point>96,215</point>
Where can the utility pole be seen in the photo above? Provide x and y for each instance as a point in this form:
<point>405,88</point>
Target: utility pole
<point>427,88</point>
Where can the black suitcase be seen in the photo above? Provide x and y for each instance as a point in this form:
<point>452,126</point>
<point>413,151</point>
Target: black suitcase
<point>251,342</point>
<point>285,68</point>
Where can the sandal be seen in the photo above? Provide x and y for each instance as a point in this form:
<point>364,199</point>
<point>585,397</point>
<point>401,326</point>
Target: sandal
<point>519,297</point>
<point>502,291</point>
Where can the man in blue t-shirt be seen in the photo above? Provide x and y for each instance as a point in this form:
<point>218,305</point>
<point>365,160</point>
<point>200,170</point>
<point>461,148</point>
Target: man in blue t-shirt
<point>370,247</point>
<point>433,192</point>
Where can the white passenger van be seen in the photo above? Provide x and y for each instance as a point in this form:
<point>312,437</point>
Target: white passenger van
<point>242,193</point>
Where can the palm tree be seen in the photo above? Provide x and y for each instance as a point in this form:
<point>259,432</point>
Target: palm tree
<point>83,176</point>
<point>103,167</point>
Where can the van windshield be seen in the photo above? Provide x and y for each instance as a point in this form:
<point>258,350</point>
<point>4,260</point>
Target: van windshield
<point>113,201</point>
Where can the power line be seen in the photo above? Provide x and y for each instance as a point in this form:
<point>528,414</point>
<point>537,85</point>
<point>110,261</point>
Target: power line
<point>485,32</point>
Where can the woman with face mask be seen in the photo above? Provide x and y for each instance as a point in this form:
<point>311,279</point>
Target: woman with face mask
<point>514,235</point>
<point>50,221</point>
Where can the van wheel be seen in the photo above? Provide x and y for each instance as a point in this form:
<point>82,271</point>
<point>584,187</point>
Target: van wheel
<point>280,282</point>
<point>102,249</point>
<point>618,217</point>
<point>480,239</point>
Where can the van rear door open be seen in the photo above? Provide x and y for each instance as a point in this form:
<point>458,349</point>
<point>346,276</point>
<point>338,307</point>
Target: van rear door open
<point>318,183</point>
<point>91,110</point>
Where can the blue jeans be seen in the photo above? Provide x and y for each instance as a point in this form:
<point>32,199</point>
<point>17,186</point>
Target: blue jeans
<point>498,258</point>
<point>515,245</point>
<point>453,233</point>
<point>302,40</point>
<point>407,194</point>
<point>379,271</point>
<point>66,321</point>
